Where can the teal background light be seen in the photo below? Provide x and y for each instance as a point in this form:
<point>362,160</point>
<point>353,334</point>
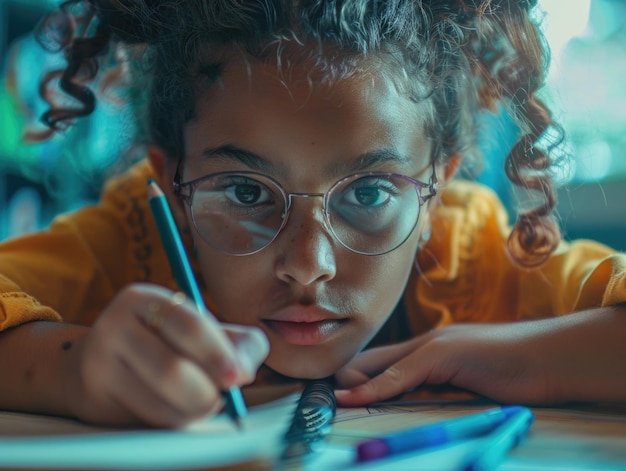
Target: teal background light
<point>585,88</point>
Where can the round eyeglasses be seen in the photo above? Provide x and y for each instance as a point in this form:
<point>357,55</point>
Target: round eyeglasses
<point>241,213</point>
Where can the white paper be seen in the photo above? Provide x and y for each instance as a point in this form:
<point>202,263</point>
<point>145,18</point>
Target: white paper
<point>214,442</point>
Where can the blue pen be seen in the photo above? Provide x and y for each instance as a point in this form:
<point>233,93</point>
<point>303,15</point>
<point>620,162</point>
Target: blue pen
<point>499,442</point>
<point>181,269</point>
<point>432,435</point>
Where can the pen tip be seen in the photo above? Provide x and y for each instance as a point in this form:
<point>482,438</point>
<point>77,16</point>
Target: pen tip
<point>153,188</point>
<point>238,423</point>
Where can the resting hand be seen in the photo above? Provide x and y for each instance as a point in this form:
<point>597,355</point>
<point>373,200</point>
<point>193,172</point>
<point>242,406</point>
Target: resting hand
<point>152,358</point>
<point>500,361</point>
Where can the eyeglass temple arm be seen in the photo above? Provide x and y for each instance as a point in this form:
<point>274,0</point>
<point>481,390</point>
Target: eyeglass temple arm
<point>179,188</point>
<point>433,183</point>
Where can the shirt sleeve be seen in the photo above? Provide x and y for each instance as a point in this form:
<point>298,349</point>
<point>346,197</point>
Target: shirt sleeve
<point>74,268</point>
<point>466,274</point>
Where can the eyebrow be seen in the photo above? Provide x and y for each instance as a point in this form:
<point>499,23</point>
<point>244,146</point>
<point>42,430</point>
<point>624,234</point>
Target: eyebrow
<point>372,159</point>
<point>249,159</point>
<point>362,163</point>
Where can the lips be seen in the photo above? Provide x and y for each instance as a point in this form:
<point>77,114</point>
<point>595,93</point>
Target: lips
<point>305,325</point>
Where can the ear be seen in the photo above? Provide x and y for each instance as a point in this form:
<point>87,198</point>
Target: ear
<point>164,170</point>
<point>158,160</point>
<point>445,171</point>
<point>451,167</point>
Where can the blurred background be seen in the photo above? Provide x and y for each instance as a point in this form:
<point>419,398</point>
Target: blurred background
<point>585,89</point>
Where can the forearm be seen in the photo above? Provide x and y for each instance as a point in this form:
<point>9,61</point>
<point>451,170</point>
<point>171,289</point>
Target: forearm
<point>575,357</point>
<point>585,354</point>
<point>39,367</point>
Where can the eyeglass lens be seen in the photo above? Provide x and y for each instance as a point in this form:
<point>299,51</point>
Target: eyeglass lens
<point>241,213</point>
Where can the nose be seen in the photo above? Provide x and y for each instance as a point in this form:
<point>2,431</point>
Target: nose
<point>306,250</point>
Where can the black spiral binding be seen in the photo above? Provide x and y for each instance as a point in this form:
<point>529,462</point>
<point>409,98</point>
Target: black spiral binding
<point>312,419</point>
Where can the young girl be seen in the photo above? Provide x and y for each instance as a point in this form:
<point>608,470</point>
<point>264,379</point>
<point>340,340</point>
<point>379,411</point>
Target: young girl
<point>307,150</point>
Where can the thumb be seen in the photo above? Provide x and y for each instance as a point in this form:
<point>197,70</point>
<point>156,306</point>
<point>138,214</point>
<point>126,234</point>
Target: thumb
<point>251,347</point>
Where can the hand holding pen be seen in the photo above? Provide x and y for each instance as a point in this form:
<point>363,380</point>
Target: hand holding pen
<point>181,269</point>
<point>153,357</point>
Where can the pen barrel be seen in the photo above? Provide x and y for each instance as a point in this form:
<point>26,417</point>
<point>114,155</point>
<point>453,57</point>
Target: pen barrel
<point>175,251</point>
<point>183,274</point>
<point>432,435</point>
<point>235,406</point>
<point>505,437</point>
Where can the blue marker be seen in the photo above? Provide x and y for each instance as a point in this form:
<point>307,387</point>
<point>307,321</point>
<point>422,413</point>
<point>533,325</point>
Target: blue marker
<point>432,435</point>
<point>505,437</point>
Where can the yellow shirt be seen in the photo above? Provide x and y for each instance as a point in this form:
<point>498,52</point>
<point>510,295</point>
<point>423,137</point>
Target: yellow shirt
<point>73,269</point>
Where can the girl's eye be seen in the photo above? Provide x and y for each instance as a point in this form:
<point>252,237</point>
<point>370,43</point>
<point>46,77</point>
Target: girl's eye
<point>370,194</point>
<point>247,194</point>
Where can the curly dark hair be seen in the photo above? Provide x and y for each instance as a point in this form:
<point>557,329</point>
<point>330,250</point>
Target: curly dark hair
<point>461,55</point>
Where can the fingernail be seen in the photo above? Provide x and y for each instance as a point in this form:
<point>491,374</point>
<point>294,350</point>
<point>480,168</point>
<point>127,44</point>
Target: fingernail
<point>229,372</point>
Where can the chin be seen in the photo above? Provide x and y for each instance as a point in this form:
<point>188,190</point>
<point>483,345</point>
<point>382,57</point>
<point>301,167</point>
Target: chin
<point>307,363</point>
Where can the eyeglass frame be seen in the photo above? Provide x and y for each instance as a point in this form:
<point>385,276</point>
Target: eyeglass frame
<point>432,185</point>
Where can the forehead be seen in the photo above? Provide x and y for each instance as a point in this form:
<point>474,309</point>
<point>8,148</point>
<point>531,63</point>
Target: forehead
<point>328,71</point>
<point>344,109</point>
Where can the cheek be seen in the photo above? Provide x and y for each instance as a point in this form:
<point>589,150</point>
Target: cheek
<point>234,283</point>
<point>387,280</point>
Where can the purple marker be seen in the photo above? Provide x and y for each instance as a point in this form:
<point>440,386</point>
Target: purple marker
<point>432,435</point>
<point>499,442</point>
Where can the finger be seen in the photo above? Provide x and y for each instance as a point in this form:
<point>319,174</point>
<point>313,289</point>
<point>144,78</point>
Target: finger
<point>176,379</point>
<point>349,378</point>
<point>143,403</point>
<point>197,335</point>
<point>251,346</point>
<point>375,360</point>
<point>407,373</point>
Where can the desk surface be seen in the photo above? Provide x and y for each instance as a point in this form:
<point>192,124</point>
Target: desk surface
<point>568,438</point>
